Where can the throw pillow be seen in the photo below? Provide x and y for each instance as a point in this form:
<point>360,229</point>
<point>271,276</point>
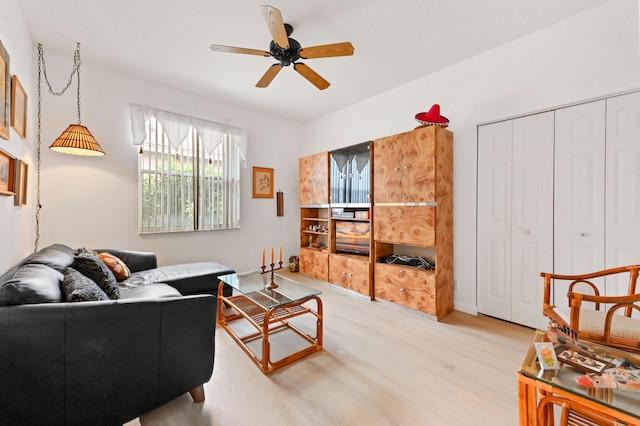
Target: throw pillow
<point>79,288</point>
<point>117,266</point>
<point>90,265</point>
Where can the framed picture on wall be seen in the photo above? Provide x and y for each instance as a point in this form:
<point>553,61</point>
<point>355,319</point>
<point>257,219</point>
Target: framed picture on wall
<point>5,92</point>
<point>262,182</point>
<point>18,107</point>
<point>22,171</point>
<point>7,173</point>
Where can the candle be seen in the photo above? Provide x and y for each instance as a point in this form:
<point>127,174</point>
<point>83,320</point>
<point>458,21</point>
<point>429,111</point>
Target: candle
<point>272,255</point>
<point>280,253</point>
<point>262,264</point>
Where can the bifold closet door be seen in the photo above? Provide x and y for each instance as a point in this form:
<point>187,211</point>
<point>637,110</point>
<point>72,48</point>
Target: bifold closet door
<point>622,186</point>
<point>515,217</point>
<point>579,238</point>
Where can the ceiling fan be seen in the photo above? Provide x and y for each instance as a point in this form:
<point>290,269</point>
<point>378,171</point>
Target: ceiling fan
<point>288,51</point>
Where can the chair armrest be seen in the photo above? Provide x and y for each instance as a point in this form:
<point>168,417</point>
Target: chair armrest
<point>135,260</point>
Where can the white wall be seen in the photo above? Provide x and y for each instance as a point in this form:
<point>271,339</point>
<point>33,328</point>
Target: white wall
<point>591,55</point>
<point>93,202</point>
<point>16,223</point>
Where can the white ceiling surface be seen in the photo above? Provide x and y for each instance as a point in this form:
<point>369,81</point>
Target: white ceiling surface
<point>395,42</point>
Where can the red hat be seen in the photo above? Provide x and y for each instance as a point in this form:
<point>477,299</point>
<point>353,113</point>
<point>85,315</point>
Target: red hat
<point>432,117</point>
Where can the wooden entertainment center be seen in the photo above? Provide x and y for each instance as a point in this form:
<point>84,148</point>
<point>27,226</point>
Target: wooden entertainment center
<point>400,190</point>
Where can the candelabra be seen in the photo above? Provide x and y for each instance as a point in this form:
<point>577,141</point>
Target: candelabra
<point>272,285</point>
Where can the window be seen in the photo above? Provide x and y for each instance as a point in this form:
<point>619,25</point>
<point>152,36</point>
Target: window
<point>192,185</point>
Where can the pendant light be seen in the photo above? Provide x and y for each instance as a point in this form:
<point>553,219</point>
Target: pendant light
<point>77,139</point>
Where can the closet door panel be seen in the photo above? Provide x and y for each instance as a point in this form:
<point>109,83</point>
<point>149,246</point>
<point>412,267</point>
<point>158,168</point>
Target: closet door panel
<point>579,193</point>
<point>532,215</point>
<point>494,220</point>
<point>623,186</point>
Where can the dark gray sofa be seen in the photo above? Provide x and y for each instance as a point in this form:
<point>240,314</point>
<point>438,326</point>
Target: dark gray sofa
<point>103,362</point>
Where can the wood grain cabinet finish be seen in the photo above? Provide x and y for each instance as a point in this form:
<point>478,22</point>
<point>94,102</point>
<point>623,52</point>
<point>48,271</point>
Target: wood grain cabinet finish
<point>410,225</point>
<point>349,272</point>
<point>405,166</point>
<point>314,263</point>
<point>407,286</point>
<point>314,179</point>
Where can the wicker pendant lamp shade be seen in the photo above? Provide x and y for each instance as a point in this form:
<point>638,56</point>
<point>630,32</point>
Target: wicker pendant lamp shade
<point>77,140</point>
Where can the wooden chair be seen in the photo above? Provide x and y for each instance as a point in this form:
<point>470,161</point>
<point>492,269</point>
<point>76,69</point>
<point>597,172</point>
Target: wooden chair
<point>572,413</point>
<point>608,319</point>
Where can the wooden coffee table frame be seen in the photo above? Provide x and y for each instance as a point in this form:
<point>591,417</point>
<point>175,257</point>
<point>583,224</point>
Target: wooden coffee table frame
<point>269,321</point>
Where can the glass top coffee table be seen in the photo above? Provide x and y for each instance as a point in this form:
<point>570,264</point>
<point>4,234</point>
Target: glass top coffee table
<point>254,315</point>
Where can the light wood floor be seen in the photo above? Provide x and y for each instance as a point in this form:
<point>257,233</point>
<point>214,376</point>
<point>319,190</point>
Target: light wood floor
<point>381,365</point>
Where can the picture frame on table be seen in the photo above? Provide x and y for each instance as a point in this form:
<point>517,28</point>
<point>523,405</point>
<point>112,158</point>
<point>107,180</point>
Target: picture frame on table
<point>22,173</point>
<point>5,93</point>
<point>262,182</point>
<point>581,360</point>
<point>7,174</point>
<point>18,107</point>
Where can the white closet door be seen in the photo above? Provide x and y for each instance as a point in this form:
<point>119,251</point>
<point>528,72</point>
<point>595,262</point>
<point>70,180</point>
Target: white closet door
<point>579,196</point>
<point>494,219</point>
<point>623,186</point>
<point>532,216</point>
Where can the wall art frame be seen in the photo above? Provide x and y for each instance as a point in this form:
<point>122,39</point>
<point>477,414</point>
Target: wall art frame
<point>7,174</point>
<point>262,182</point>
<point>18,107</point>
<point>5,93</point>
<point>22,173</point>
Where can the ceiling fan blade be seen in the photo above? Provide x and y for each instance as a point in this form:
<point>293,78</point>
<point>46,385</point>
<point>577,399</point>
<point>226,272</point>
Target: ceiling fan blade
<point>276,26</point>
<point>311,75</point>
<point>269,75</point>
<point>327,50</point>
<point>231,49</point>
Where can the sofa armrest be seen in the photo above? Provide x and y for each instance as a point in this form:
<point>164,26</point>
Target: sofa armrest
<point>102,362</point>
<point>135,260</point>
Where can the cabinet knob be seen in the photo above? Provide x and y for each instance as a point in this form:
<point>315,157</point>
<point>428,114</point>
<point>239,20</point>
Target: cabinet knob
<point>399,211</point>
<point>350,275</point>
<point>406,168</point>
<point>344,273</point>
<point>401,272</point>
<point>402,292</point>
<point>396,169</point>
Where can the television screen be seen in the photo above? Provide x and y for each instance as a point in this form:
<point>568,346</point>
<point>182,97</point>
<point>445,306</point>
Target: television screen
<point>352,237</point>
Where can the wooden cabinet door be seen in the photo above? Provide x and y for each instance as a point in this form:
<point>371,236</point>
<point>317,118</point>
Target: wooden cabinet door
<point>419,165</point>
<point>314,263</point>
<point>320,178</point>
<point>306,180</point>
<point>407,286</point>
<point>387,164</point>
<point>358,276</point>
<point>338,267</point>
<point>410,225</point>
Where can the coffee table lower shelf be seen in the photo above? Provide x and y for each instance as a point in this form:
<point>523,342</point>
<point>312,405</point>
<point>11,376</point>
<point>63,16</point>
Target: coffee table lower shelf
<point>267,322</point>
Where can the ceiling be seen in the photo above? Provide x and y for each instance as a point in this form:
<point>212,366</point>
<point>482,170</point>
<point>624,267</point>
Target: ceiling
<point>395,42</point>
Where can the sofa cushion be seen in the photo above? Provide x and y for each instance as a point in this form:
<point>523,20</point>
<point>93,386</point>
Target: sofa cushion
<point>79,288</point>
<point>151,291</point>
<point>31,283</point>
<point>188,278</point>
<point>56,256</point>
<point>115,265</point>
<point>90,265</point>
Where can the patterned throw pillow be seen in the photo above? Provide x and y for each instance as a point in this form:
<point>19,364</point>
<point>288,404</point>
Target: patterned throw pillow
<point>78,288</point>
<point>117,266</point>
<point>90,265</point>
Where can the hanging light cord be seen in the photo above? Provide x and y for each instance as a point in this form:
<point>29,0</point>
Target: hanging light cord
<point>42,70</point>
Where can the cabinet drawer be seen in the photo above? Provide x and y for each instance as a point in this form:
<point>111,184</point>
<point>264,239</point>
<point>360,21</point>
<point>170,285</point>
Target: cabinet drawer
<point>411,225</point>
<point>407,286</point>
<point>314,263</point>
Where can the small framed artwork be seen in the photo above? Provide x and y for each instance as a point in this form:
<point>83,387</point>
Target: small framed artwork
<point>7,174</point>
<point>547,356</point>
<point>5,91</point>
<point>18,107</point>
<point>262,182</point>
<point>22,172</point>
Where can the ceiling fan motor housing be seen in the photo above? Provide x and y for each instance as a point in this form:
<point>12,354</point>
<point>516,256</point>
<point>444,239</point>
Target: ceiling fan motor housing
<point>285,56</point>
